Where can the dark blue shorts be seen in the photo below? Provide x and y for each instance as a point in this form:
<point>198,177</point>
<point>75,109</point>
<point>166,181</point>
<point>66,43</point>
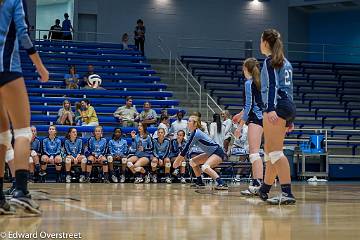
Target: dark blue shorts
<point>220,152</point>
<point>286,110</point>
<point>254,119</point>
<point>6,77</point>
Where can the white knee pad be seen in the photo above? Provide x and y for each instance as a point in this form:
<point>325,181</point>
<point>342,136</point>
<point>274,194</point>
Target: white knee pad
<point>153,164</point>
<point>124,160</point>
<point>192,163</point>
<point>33,153</point>
<point>110,159</point>
<point>9,156</point>
<point>23,132</point>
<point>266,157</point>
<point>168,165</point>
<point>204,167</point>
<point>67,160</point>
<point>130,164</point>
<point>275,156</point>
<point>84,160</point>
<point>31,160</point>
<point>183,164</point>
<point>5,138</point>
<point>254,156</point>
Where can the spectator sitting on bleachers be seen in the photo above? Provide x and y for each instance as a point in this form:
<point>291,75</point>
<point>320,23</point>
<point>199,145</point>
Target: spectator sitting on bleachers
<point>127,114</point>
<point>179,124</point>
<point>148,116</point>
<point>87,84</point>
<point>72,78</point>
<point>125,41</point>
<point>164,124</point>
<point>65,114</point>
<point>88,114</point>
<point>55,31</point>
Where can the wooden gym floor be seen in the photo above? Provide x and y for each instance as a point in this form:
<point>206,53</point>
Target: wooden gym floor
<point>128,211</point>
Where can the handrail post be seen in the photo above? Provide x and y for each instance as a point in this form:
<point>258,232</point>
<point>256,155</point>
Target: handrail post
<point>200,98</point>
<point>187,84</point>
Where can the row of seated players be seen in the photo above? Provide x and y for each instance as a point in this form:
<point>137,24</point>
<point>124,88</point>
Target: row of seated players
<point>143,157</point>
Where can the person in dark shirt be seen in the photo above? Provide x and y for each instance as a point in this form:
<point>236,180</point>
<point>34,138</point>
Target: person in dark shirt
<point>67,28</point>
<point>139,35</point>
<point>55,31</point>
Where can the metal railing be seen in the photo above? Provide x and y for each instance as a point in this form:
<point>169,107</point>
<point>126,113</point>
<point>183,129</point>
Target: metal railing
<point>166,51</point>
<point>190,80</point>
<point>210,100</point>
<point>77,36</point>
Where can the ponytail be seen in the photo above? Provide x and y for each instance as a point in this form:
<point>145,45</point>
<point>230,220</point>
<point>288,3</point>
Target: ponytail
<point>273,38</point>
<point>217,120</point>
<point>253,67</point>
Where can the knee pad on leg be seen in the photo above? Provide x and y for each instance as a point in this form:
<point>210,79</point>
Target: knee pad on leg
<point>192,163</point>
<point>266,157</point>
<point>31,160</point>
<point>110,159</point>
<point>204,167</point>
<point>124,161</point>
<point>88,162</point>
<point>23,132</point>
<point>84,160</point>
<point>130,164</point>
<point>183,164</point>
<point>253,157</point>
<point>9,156</point>
<point>67,160</point>
<point>275,156</point>
<point>33,153</point>
<point>5,138</point>
<point>105,163</point>
<point>168,165</point>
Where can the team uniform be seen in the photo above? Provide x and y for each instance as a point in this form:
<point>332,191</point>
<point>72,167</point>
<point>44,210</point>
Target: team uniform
<point>117,149</point>
<point>35,147</point>
<point>51,148</point>
<point>73,149</point>
<point>161,154</point>
<point>138,142</point>
<point>96,149</point>
<point>175,149</point>
<point>277,90</point>
<point>253,104</point>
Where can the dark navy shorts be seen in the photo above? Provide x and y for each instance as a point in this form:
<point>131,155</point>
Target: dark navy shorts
<point>220,152</point>
<point>254,119</point>
<point>6,77</point>
<point>286,110</point>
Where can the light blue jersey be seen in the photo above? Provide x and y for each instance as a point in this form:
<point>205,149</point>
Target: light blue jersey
<point>13,29</point>
<point>117,147</point>
<point>201,140</point>
<point>161,150</point>
<point>253,101</point>
<point>51,147</point>
<point>73,148</point>
<point>276,83</point>
<point>96,147</point>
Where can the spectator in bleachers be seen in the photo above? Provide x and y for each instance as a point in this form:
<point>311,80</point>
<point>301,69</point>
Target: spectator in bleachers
<point>217,130</point>
<point>65,114</point>
<point>127,115</point>
<point>125,41</point>
<point>88,83</point>
<point>88,115</point>
<point>176,146</point>
<point>139,35</point>
<point>74,151</point>
<point>51,149</point>
<point>164,124</point>
<point>117,151</point>
<point>160,156</point>
<point>148,116</point>
<point>140,153</point>
<point>67,28</point>
<point>55,31</point>
<point>72,79</point>
<point>179,124</point>
<point>96,154</point>
<point>78,117</point>
<point>228,127</point>
<point>34,159</point>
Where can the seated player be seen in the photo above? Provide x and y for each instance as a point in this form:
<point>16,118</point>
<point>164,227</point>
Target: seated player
<point>74,151</point>
<point>213,154</point>
<point>161,156</point>
<point>51,148</point>
<point>176,146</point>
<point>117,151</point>
<point>96,154</point>
<point>34,159</point>
<point>140,153</point>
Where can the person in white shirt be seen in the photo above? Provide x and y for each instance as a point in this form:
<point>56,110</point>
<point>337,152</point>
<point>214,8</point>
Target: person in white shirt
<point>179,124</point>
<point>228,127</point>
<point>217,130</point>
